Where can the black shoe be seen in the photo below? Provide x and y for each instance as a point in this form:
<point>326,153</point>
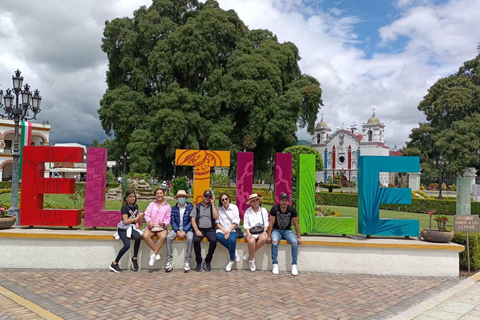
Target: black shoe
<point>208,267</point>
<point>115,268</point>
<point>134,265</point>
<point>199,267</point>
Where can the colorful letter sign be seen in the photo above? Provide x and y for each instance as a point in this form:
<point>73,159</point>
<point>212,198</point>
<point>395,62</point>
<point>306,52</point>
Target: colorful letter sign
<point>309,222</point>
<point>283,175</point>
<point>244,180</point>
<point>95,213</point>
<point>34,186</point>
<point>370,196</point>
<point>202,161</point>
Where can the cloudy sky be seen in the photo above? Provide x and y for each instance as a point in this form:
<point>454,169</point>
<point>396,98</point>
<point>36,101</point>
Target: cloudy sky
<point>365,53</point>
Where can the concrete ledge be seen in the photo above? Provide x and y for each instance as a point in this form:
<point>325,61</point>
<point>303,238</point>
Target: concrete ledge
<point>96,249</point>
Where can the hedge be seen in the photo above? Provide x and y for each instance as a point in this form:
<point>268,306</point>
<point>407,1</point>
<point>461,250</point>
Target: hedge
<point>232,193</point>
<point>447,207</point>
<point>474,244</point>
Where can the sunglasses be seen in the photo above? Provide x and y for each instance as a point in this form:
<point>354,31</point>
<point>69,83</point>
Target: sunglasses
<point>207,197</point>
<point>224,199</point>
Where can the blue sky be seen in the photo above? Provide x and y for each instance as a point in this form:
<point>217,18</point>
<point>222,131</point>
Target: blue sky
<point>365,53</point>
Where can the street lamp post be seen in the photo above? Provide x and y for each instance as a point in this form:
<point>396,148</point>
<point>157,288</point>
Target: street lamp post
<point>125,158</point>
<point>174,168</point>
<point>439,164</point>
<point>19,112</point>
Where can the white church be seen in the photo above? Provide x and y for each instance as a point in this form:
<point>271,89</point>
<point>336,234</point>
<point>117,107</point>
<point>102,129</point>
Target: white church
<point>340,151</point>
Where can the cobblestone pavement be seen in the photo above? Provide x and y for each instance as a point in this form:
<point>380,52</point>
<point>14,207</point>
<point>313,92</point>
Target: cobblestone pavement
<point>101,294</point>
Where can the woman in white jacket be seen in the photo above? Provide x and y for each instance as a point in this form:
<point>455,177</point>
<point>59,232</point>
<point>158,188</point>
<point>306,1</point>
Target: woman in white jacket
<point>256,224</point>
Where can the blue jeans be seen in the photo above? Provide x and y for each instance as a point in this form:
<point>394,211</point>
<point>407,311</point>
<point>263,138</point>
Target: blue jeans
<point>277,235</point>
<point>230,244</point>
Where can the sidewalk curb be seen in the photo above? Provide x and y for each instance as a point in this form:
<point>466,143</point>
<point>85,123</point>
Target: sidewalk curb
<point>432,302</point>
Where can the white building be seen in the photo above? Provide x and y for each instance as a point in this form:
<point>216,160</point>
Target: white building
<point>340,151</point>
<point>40,136</point>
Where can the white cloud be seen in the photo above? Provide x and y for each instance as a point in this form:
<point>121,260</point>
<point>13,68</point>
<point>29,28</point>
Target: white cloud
<point>57,46</point>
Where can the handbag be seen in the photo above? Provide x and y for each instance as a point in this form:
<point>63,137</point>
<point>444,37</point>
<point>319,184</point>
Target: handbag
<point>238,230</point>
<point>258,229</point>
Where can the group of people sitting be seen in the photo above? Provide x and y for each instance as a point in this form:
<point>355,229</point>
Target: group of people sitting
<point>217,224</point>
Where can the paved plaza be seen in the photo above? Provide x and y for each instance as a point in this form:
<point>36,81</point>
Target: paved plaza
<point>101,294</point>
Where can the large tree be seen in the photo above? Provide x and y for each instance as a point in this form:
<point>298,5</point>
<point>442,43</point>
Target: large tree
<point>183,74</point>
<point>452,108</point>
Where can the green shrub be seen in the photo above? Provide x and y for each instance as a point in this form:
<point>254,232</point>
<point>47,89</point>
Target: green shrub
<point>218,179</point>
<point>474,244</point>
<point>446,206</point>
<point>180,184</point>
<point>268,196</point>
<point>2,191</point>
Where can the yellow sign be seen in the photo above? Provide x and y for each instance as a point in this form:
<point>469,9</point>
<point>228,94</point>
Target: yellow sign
<point>202,161</point>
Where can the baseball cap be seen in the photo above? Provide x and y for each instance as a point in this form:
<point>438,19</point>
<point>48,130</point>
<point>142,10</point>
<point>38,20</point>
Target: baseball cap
<point>284,195</point>
<point>207,193</point>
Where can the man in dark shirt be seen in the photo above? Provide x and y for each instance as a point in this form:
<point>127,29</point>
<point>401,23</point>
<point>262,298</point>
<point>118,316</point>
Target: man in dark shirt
<point>281,217</point>
<point>203,218</point>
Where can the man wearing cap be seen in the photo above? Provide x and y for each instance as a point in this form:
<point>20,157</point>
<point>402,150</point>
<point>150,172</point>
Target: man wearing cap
<point>281,217</point>
<point>181,228</point>
<point>203,218</point>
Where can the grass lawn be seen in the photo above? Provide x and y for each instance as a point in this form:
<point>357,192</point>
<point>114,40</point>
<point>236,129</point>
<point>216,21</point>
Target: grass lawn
<point>387,214</point>
<point>62,199</point>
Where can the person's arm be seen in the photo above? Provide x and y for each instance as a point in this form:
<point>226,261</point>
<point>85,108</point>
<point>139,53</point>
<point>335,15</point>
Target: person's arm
<point>246,224</point>
<point>175,214</point>
<point>168,216</point>
<point>187,226</point>
<point>236,218</point>
<point>194,222</point>
<point>297,229</point>
<point>126,220</point>
<point>148,215</point>
<point>214,209</point>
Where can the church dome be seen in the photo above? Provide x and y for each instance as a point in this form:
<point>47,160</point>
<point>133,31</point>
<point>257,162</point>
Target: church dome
<point>373,119</point>
<point>321,125</point>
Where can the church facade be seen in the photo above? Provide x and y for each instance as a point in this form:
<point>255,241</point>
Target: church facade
<point>341,149</point>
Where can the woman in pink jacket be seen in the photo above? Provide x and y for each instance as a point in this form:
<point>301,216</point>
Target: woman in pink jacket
<point>157,216</point>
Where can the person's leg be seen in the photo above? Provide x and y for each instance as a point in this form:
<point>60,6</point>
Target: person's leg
<point>261,240</point>
<point>147,237</point>
<point>251,248</point>
<point>197,247</point>
<point>276,237</point>
<point>221,238</point>
<point>126,245</point>
<point>232,245</point>
<point>290,236</point>
<point>162,236</point>
<point>188,255</point>
<point>138,239</point>
<point>171,236</point>
<point>212,244</point>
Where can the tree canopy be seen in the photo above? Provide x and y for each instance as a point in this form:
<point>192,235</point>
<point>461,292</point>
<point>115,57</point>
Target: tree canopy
<point>184,74</point>
<point>453,114</point>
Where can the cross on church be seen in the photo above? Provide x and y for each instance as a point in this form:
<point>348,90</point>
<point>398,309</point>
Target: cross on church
<point>373,110</point>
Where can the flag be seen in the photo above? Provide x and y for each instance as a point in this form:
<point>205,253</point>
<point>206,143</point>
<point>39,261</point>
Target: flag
<point>25,140</point>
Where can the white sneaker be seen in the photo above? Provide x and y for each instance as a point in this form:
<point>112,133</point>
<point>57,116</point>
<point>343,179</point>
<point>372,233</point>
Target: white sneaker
<point>157,257</point>
<point>275,269</point>
<point>252,265</point>
<point>229,266</point>
<point>245,257</point>
<point>152,260</point>
<point>237,257</point>
<point>186,266</point>
<point>294,270</point>
<point>169,266</point>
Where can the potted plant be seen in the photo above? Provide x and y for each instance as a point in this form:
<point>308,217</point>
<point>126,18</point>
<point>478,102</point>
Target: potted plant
<point>441,235</point>
<point>6,221</point>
